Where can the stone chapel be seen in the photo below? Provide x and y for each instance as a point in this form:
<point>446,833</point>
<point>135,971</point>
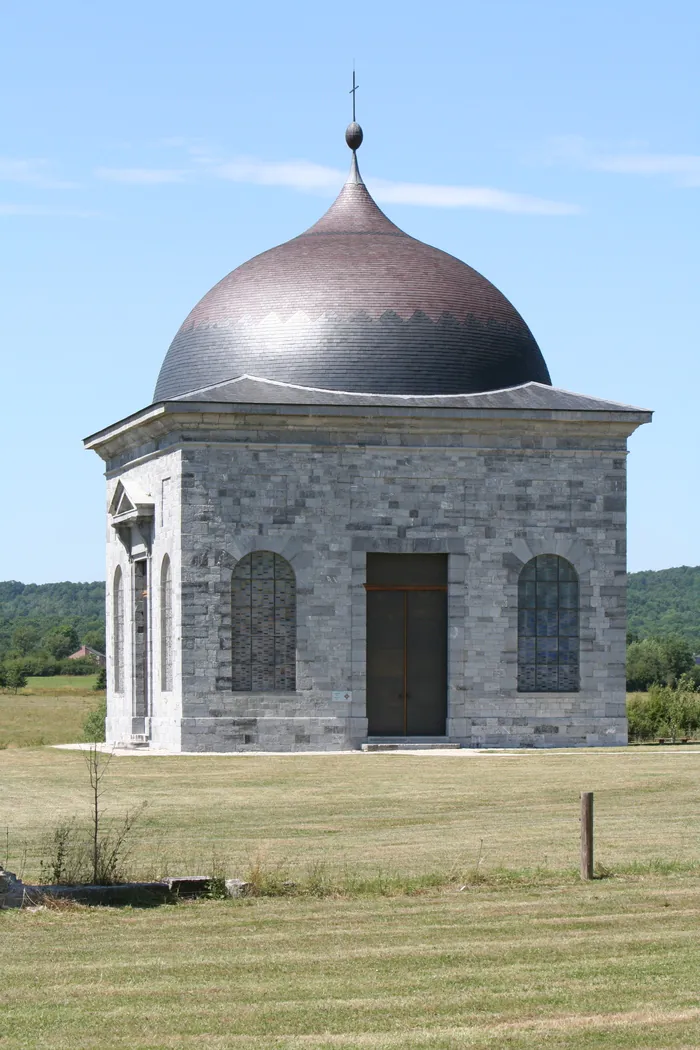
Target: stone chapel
<point>357,512</point>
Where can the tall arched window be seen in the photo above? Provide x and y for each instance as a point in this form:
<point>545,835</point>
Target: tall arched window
<point>263,619</point>
<point>118,631</point>
<point>166,627</point>
<point>548,626</point>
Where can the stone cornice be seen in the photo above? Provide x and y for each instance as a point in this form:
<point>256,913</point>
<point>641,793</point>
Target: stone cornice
<point>344,424</point>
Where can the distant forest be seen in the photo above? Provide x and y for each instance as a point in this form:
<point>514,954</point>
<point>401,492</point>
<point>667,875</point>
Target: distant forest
<point>46,607</point>
<point>665,602</point>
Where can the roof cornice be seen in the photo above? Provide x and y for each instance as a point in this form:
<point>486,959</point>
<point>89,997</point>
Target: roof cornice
<point>163,417</point>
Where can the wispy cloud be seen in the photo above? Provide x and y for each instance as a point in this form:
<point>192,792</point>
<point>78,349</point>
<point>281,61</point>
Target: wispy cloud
<point>301,175</point>
<point>683,169</point>
<point>8,210</point>
<point>308,177</point>
<point>435,196</point>
<point>32,173</point>
<point>142,176</point>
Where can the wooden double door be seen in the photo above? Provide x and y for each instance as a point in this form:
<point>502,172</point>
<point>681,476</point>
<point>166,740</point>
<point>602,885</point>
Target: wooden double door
<point>406,644</point>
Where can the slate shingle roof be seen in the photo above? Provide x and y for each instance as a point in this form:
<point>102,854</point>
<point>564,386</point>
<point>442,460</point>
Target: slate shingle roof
<point>355,304</point>
<point>252,390</point>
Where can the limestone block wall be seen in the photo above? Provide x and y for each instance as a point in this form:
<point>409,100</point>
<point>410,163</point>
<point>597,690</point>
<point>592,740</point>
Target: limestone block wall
<point>158,476</point>
<point>490,494</point>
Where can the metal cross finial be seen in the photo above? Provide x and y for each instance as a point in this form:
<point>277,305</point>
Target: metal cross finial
<point>352,92</point>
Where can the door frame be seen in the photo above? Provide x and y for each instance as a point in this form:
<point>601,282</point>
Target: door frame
<point>405,589</point>
<point>457,616</point>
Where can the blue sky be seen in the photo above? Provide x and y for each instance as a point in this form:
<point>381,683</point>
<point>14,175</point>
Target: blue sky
<point>150,148</point>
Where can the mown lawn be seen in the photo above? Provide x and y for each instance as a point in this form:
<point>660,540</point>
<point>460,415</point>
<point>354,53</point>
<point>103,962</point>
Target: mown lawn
<point>412,814</point>
<point>47,711</point>
<point>612,964</point>
<point>524,957</point>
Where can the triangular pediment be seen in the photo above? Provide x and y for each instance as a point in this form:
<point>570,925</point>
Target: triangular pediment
<point>121,503</point>
<point>130,502</point>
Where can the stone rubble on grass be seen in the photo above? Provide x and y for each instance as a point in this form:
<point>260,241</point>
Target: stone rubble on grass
<point>12,890</point>
<point>237,888</point>
<point>188,885</point>
<point>16,894</point>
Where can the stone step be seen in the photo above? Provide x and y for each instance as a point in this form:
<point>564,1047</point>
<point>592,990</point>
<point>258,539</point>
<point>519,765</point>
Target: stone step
<point>188,885</point>
<point>410,745</point>
<point>136,740</point>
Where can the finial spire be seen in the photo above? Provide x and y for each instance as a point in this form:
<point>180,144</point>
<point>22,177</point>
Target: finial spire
<point>353,90</point>
<point>353,132</point>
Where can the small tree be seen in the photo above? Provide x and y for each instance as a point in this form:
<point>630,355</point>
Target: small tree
<point>97,765</point>
<point>107,849</point>
<point>15,678</point>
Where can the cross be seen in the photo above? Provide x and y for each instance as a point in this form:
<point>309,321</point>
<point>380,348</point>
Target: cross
<point>352,92</point>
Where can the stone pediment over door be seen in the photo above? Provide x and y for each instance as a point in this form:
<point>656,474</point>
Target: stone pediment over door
<point>131,514</point>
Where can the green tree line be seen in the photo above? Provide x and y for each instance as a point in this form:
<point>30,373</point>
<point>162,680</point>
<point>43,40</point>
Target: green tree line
<point>42,624</point>
<point>660,661</point>
<point>665,602</point>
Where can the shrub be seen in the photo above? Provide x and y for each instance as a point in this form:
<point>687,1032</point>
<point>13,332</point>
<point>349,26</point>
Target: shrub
<point>94,724</point>
<point>101,680</point>
<point>65,858</point>
<point>40,665</point>
<point>83,665</point>
<point>665,711</point>
<point>71,856</point>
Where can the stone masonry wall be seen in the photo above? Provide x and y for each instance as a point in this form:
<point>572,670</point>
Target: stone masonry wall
<point>489,493</point>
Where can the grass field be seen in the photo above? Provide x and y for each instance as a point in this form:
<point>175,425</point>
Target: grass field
<point>610,965</point>
<point>47,711</point>
<point>410,813</point>
<point>523,957</point>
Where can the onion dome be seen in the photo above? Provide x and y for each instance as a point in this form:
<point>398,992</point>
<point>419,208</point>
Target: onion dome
<point>354,304</point>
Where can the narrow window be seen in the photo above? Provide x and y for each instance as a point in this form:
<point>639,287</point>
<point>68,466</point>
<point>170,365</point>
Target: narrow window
<point>263,619</point>
<point>166,627</point>
<point>548,626</point>
<point>118,631</point>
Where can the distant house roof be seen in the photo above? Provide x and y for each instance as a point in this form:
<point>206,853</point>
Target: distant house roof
<point>86,653</point>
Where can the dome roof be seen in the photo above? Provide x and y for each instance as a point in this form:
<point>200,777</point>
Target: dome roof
<point>354,304</point>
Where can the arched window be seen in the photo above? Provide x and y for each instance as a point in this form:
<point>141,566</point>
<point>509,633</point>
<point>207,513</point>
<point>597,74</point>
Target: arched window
<point>118,631</point>
<point>548,626</point>
<point>263,620</point>
<point>166,627</point>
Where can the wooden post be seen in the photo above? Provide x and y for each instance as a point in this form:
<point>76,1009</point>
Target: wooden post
<point>586,835</point>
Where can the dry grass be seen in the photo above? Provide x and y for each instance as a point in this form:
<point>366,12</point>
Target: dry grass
<point>414,815</point>
<point>518,960</point>
<point>47,711</point>
<point>610,965</point>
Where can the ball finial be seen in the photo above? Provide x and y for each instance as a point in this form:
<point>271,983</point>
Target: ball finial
<point>353,135</point>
